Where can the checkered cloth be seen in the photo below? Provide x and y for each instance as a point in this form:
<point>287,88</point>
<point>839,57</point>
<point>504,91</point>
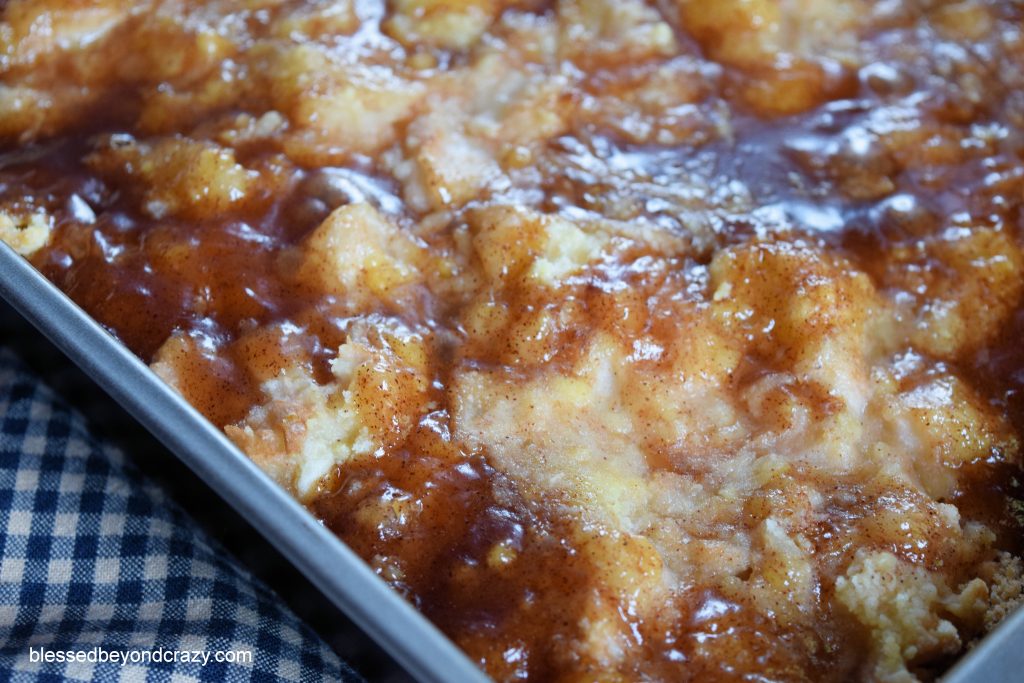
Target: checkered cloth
<point>95,560</point>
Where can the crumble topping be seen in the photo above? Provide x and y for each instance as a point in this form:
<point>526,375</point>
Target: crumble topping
<point>628,340</point>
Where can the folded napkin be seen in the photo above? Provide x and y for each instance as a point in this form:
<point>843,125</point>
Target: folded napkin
<point>102,577</point>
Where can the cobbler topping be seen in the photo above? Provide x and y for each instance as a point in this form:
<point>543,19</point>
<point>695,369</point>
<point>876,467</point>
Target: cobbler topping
<point>628,340</point>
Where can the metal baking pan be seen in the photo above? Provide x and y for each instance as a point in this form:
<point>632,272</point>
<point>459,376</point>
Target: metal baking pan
<point>331,565</point>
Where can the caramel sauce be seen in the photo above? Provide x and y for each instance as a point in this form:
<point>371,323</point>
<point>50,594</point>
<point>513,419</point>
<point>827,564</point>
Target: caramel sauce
<point>821,175</point>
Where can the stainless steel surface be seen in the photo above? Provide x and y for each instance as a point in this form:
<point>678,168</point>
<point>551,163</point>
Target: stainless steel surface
<point>335,569</point>
<point>999,657</point>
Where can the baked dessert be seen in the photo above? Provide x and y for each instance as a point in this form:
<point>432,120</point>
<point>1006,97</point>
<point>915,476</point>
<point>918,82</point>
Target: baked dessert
<point>628,340</point>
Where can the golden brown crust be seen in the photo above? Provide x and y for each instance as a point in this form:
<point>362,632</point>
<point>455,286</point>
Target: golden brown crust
<point>630,340</point>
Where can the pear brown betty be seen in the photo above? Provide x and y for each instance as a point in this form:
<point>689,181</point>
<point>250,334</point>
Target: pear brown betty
<point>630,341</point>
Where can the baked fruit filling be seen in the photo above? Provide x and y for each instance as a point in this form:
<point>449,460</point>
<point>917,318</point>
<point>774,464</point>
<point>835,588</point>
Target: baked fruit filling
<point>628,340</point>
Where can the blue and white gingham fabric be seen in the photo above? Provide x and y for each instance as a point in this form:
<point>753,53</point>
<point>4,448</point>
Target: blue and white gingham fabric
<point>93,557</point>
